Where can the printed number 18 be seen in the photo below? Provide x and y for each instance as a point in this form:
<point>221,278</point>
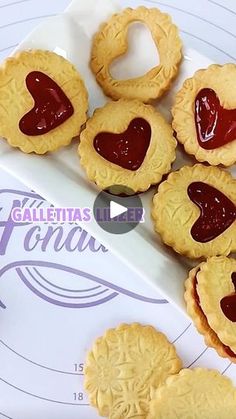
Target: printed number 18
<point>78,396</point>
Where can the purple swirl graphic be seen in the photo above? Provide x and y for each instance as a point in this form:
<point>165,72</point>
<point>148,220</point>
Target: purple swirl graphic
<point>35,275</point>
<point>28,197</point>
<point>4,416</point>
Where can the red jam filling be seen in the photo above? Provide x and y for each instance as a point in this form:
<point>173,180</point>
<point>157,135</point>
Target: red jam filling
<point>228,303</point>
<point>217,212</point>
<point>51,106</point>
<point>215,125</point>
<point>128,149</point>
<point>197,300</point>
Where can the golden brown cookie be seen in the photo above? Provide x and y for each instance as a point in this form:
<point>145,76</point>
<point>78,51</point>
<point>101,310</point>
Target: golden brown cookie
<point>43,101</point>
<point>205,115</point>
<point>111,42</point>
<point>211,302</point>
<point>194,211</point>
<point>127,143</point>
<point>195,394</point>
<point>125,367</point>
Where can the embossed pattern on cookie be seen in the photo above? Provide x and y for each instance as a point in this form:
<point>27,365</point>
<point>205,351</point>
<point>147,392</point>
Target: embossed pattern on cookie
<point>43,101</point>
<point>198,394</point>
<point>110,42</point>
<point>194,211</point>
<point>127,143</point>
<point>125,367</point>
<point>204,115</point>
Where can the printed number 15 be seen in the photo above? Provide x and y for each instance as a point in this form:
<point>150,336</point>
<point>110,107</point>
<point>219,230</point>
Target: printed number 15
<point>79,367</point>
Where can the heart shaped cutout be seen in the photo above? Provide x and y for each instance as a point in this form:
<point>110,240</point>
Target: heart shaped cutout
<point>217,211</point>
<point>52,107</point>
<point>215,125</point>
<point>228,303</point>
<point>141,56</point>
<point>128,149</point>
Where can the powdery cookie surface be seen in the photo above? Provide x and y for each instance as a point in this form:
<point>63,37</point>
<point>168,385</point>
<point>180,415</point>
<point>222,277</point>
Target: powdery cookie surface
<point>16,100</point>
<point>124,368</point>
<point>212,283</point>
<point>221,79</point>
<point>110,42</point>
<point>175,214</point>
<point>115,118</point>
<point>198,394</point>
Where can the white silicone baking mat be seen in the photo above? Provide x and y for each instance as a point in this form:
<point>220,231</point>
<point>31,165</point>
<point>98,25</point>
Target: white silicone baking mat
<point>45,330</point>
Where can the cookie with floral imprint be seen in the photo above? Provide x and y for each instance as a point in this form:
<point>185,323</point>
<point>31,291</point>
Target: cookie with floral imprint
<point>127,143</point>
<point>198,394</point>
<point>110,42</point>
<point>204,115</point>
<point>194,211</point>
<point>125,367</point>
<point>43,101</point>
<point>211,303</point>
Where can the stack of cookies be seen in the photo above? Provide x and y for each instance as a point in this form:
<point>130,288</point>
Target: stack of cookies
<point>128,142</point>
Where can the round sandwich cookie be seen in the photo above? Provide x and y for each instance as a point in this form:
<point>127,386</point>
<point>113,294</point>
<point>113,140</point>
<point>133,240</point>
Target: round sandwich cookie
<point>205,115</point>
<point>195,394</point>
<point>125,367</point>
<point>43,101</point>
<point>194,211</point>
<point>211,302</point>
<point>110,42</point>
<point>127,143</point>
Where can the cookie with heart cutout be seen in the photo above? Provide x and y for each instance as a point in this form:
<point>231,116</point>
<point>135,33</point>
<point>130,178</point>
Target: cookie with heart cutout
<point>127,143</point>
<point>194,211</point>
<point>204,115</point>
<point>211,303</point>
<point>124,368</point>
<point>110,42</point>
<point>195,394</point>
<point>43,101</point>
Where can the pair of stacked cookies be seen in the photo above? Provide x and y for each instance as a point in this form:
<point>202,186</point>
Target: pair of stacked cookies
<point>128,142</point>
<point>134,372</point>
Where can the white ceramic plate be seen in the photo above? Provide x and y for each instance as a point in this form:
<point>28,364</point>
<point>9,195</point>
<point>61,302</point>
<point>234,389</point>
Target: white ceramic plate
<point>59,178</point>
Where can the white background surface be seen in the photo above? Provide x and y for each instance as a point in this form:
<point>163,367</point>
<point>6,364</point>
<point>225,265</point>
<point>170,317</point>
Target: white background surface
<point>41,342</point>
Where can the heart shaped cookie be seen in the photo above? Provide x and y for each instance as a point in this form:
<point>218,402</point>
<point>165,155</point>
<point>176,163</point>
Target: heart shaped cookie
<point>52,107</point>
<point>204,115</point>
<point>211,302</point>
<point>194,211</point>
<point>43,101</point>
<point>111,42</point>
<point>127,143</point>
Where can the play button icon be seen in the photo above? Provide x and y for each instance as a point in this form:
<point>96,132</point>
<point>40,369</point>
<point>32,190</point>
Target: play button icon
<point>116,209</point>
<point>118,212</point>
